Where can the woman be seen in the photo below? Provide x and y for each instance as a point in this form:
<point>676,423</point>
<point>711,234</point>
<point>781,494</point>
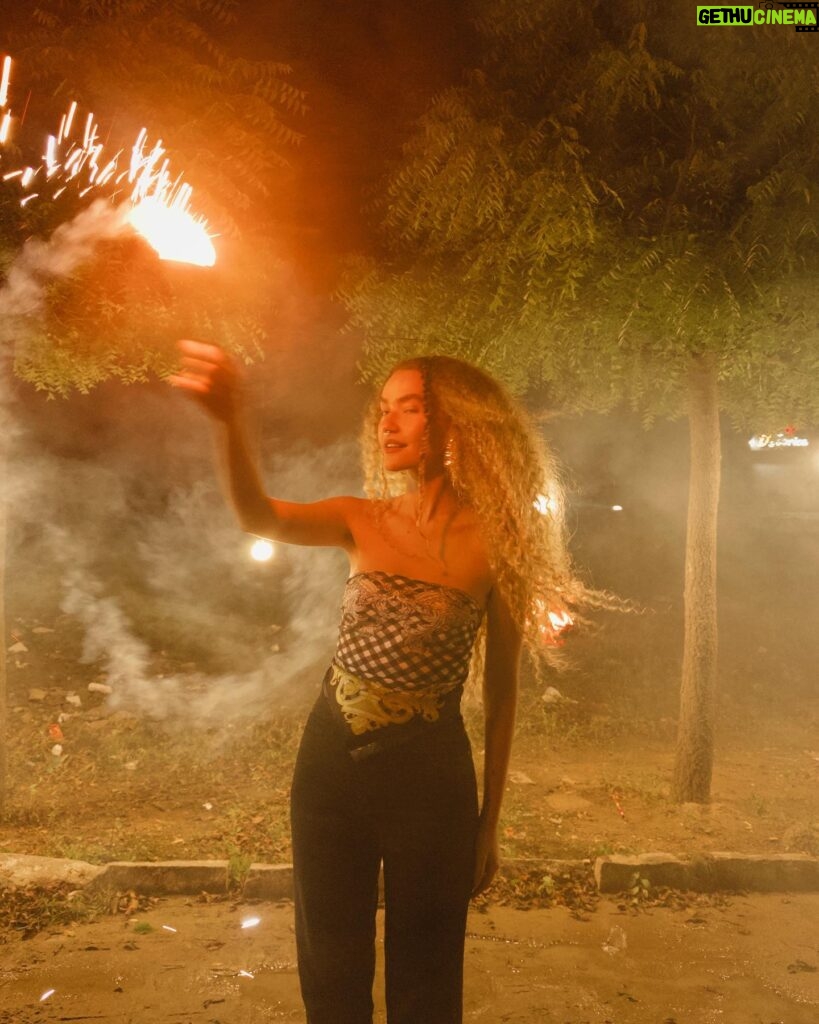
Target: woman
<point>451,559</point>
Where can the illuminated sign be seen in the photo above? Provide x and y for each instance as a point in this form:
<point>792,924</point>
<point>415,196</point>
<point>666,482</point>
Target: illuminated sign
<point>785,440</point>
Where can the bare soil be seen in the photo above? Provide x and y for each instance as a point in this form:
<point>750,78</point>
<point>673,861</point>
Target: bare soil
<point>744,960</point>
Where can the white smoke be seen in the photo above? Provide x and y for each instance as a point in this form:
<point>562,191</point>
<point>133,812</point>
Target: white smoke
<point>183,555</point>
<point>189,543</point>
<point>41,260</point>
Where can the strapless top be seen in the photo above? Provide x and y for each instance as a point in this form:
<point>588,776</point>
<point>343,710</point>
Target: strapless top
<point>403,651</point>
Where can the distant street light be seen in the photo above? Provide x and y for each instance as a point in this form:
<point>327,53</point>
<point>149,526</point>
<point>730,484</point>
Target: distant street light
<point>261,551</point>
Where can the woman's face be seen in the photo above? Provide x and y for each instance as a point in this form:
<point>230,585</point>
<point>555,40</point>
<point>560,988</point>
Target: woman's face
<point>402,428</point>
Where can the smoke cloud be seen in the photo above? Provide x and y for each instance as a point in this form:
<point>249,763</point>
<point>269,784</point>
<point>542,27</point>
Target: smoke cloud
<point>41,260</point>
<point>146,571</point>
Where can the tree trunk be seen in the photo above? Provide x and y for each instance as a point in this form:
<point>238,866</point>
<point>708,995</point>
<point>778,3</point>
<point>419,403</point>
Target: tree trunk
<point>695,738</point>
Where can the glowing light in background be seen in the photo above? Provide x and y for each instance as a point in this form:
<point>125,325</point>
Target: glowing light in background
<point>560,620</point>
<point>261,551</point>
<point>617,508</point>
<point>781,440</point>
<point>545,505</point>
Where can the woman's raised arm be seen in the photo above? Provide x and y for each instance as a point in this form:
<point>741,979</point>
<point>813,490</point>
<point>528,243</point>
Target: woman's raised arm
<point>212,378</point>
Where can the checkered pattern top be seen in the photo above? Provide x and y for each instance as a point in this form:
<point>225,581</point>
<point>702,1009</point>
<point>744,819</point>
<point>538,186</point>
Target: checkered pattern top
<point>406,634</point>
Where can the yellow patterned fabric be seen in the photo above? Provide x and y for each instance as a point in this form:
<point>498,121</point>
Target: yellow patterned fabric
<point>365,705</point>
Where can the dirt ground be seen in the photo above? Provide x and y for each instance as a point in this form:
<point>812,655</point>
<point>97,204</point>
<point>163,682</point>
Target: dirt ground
<point>743,960</point>
<point>91,780</point>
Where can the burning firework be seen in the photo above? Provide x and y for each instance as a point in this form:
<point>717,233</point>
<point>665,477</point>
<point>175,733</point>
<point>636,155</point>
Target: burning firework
<point>552,624</point>
<point>158,207</point>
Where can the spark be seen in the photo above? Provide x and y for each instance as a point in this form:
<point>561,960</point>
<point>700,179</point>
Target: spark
<point>47,994</point>
<point>168,928</point>
<point>251,922</point>
<point>617,508</point>
<point>27,200</point>
<point>87,137</point>
<point>4,82</point>
<point>4,126</point>
<point>65,130</point>
<point>245,974</point>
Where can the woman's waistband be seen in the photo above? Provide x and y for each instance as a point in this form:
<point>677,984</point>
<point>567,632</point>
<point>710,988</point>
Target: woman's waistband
<point>375,717</point>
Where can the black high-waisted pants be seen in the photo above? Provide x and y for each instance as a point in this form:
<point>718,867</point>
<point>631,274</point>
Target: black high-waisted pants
<point>414,806</point>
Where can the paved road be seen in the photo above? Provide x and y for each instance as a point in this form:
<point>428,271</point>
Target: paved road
<point>753,961</point>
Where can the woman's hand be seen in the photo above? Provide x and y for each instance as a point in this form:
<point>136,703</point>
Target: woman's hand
<point>487,857</point>
<point>210,376</point>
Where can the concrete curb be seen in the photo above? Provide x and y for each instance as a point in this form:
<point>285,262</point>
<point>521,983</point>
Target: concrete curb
<point>706,873</point>
<point>711,872</point>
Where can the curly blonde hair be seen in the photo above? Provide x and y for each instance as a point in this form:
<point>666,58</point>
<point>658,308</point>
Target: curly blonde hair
<point>500,468</point>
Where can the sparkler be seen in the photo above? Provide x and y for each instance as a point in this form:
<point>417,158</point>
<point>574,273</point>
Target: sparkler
<point>158,206</point>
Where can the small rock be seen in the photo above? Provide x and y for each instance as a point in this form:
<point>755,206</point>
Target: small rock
<point>36,694</point>
<point>131,766</point>
<point>99,688</point>
<point>18,648</point>
<point>57,750</point>
<point>801,965</point>
<point>74,699</point>
<point>802,839</point>
<point>616,941</point>
<point>521,779</point>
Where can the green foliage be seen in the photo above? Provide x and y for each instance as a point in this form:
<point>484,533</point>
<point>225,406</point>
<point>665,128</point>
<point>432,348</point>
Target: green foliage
<point>120,314</point>
<point>610,194</point>
<point>226,122</point>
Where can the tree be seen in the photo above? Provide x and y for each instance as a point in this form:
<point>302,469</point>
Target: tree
<point>115,312</point>
<point>621,206</point>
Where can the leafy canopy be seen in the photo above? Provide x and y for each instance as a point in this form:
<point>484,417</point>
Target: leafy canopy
<point>611,193</point>
<point>227,125</point>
